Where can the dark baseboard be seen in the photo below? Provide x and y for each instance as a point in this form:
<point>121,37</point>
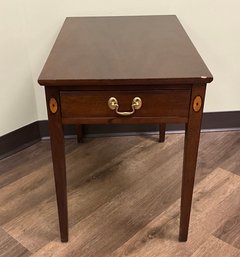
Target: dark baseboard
<point>19,139</point>
<point>27,135</point>
<point>221,120</point>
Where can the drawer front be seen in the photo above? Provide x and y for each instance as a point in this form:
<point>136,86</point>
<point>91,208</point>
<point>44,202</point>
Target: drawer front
<point>94,104</point>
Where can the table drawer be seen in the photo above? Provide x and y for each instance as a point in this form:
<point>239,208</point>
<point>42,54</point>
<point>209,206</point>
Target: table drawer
<point>94,104</point>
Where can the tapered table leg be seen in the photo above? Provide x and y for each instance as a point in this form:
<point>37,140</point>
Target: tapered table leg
<point>79,129</point>
<point>192,134</point>
<point>58,158</point>
<point>162,131</point>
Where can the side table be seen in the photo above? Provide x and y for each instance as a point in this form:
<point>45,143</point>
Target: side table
<point>124,70</point>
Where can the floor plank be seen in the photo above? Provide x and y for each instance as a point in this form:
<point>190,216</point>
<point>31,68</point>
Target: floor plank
<point>123,195</point>
<point>216,247</point>
<point>102,189</point>
<point>229,232</point>
<point>214,195</point>
<point>9,247</point>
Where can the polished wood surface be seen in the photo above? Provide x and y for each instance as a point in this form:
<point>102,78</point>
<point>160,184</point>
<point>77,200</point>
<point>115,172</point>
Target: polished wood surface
<point>115,50</point>
<point>148,54</point>
<point>94,104</point>
<point>192,136</point>
<point>58,158</point>
<point>112,193</point>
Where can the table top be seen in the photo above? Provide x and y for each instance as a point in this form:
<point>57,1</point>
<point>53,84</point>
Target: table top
<point>124,50</point>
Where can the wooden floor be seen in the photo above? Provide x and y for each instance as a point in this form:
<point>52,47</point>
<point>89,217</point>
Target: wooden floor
<point>123,196</point>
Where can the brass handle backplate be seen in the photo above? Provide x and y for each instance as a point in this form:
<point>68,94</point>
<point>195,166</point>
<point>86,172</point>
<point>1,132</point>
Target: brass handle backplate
<point>136,105</point>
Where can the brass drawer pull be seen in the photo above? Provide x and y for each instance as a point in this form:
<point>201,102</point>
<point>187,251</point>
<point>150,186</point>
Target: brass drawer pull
<point>136,105</point>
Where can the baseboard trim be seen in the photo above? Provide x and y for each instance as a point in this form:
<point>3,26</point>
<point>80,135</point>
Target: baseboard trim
<point>19,139</point>
<point>34,132</point>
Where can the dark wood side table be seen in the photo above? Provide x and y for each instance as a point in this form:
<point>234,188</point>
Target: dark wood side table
<point>141,69</point>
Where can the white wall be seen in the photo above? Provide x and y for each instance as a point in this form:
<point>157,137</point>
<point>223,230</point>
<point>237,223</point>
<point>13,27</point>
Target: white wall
<point>213,26</point>
<point>17,100</point>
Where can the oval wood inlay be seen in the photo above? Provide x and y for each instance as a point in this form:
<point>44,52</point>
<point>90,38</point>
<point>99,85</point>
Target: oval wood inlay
<point>197,103</point>
<point>53,105</point>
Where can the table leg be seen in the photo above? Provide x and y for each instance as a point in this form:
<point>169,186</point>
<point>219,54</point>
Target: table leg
<point>79,133</point>
<point>192,135</point>
<point>162,130</point>
<point>58,158</point>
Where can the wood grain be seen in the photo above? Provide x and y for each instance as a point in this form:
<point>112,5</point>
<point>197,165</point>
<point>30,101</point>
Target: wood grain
<point>229,232</point>
<point>94,104</point>
<point>159,237</point>
<point>58,158</point>
<point>125,200</point>
<point>112,177</point>
<point>191,143</point>
<point>123,50</point>
<point>129,58</point>
<point>215,247</point>
<point>10,247</point>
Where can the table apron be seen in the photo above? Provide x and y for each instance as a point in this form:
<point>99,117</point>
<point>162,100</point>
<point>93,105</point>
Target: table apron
<point>114,120</point>
<point>91,107</point>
